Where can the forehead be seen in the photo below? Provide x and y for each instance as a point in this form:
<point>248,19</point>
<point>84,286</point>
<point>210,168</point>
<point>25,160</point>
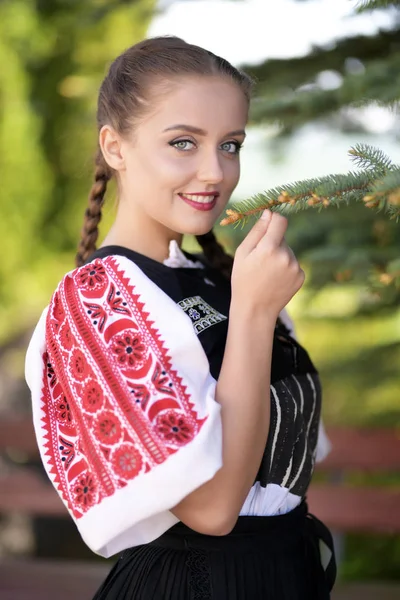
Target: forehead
<point>214,104</point>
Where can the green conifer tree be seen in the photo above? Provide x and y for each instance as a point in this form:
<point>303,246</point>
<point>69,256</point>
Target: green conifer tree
<point>363,242</point>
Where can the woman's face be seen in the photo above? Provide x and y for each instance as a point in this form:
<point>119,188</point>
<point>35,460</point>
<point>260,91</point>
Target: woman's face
<point>181,161</point>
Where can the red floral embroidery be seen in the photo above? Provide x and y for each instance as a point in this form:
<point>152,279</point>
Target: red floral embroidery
<point>174,427</point>
<point>107,428</point>
<point>58,311</point>
<point>116,303</point>
<point>78,365</point>
<point>66,336</point>
<point>51,375</point>
<point>85,491</point>
<point>140,394</point>
<point>161,380</point>
<point>129,349</point>
<point>92,276</point>
<point>97,314</point>
<point>92,397</point>
<point>90,452</point>
<point>64,414</point>
<point>67,450</point>
<point>127,461</point>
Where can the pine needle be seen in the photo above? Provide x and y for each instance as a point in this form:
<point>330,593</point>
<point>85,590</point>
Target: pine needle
<point>364,5</point>
<point>377,184</point>
<point>368,157</point>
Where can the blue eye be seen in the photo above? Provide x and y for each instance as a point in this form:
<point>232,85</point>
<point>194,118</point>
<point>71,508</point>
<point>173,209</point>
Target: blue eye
<point>182,145</point>
<point>231,147</point>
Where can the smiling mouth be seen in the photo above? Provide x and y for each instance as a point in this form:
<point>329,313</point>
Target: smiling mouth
<point>204,198</point>
<point>204,201</point>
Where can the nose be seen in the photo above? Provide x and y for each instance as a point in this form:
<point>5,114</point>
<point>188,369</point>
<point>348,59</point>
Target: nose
<point>210,168</point>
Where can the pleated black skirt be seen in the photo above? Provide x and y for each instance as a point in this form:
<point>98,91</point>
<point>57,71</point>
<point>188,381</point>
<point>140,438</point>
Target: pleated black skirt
<point>263,558</point>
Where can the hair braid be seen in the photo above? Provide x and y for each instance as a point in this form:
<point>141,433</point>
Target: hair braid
<point>215,253</point>
<point>90,231</point>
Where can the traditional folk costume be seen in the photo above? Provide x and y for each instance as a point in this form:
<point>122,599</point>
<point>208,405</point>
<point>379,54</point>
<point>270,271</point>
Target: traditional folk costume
<point>122,368</point>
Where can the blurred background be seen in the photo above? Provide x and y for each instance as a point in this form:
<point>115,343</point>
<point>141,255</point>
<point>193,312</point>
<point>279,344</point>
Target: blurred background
<point>328,77</point>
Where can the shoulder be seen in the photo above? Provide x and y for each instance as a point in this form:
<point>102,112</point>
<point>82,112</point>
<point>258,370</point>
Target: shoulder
<point>104,290</point>
<point>108,297</point>
<point>96,305</point>
<point>108,278</point>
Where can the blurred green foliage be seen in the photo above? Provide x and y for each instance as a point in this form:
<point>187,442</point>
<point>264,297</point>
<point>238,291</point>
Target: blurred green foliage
<point>53,56</point>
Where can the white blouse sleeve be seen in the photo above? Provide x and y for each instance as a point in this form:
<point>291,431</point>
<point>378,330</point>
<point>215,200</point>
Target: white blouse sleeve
<point>324,445</point>
<point>123,404</point>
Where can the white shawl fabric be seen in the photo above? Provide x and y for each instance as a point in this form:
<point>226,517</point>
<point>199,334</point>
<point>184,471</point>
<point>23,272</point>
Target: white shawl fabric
<point>123,407</point>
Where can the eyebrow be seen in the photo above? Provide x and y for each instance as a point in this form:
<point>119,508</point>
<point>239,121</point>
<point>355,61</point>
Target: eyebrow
<point>199,131</point>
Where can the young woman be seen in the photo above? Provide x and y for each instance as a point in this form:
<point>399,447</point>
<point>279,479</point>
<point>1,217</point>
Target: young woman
<point>176,416</point>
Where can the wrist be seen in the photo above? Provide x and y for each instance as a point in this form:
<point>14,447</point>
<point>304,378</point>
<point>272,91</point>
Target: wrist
<point>253,316</point>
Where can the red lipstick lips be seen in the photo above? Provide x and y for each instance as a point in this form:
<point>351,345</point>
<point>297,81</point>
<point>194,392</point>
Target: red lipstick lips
<point>199,200</point>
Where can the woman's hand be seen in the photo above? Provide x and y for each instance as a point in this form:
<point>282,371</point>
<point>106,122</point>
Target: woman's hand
<point>266,274</point>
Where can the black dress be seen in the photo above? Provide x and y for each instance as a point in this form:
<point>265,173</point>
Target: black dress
<point>273,552</point>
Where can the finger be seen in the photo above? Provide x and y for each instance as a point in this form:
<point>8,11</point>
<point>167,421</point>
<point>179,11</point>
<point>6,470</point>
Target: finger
<point>256,233</point>
<point>276,231</point>
<point>288,249</point>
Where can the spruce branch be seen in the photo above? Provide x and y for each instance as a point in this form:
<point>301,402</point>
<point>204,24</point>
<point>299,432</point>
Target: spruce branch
<point>377,184</point>
<point>364,5</point>
<point>389,184</point>
<point>368,157</point>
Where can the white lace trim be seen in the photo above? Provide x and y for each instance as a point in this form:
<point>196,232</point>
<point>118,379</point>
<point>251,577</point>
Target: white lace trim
<point>177,259</point>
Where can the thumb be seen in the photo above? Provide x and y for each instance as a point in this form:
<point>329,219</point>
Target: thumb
<point>256,233</point>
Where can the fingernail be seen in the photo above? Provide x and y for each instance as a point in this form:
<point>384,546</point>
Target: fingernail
<point>265,214</point>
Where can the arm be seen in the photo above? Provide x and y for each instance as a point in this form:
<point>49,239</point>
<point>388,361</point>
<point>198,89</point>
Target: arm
<point>214,507</point>
<point>264,278</point>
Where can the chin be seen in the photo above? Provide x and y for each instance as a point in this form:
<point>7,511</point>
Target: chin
<point>201,223</point>
<point>199,228</point>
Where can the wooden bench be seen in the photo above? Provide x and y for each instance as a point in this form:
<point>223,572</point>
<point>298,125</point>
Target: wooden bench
<point>343,506</point>
<point>50,580</point>
<point>346,507</point>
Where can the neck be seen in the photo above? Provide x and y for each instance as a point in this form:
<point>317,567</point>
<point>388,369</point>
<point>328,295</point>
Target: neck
<point>150,238</point>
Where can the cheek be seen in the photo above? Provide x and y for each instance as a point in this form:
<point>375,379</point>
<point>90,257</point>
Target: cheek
<point>232,173</point>
<point>166,166</point>
<point>161,170</point>
<point>175,171</point>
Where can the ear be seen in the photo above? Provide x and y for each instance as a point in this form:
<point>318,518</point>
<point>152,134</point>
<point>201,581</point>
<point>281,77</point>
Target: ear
<point>110,144</point>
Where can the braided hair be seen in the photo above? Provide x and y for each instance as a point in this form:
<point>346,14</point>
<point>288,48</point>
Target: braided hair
<point>90,228</point>
<point>215,253</point>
